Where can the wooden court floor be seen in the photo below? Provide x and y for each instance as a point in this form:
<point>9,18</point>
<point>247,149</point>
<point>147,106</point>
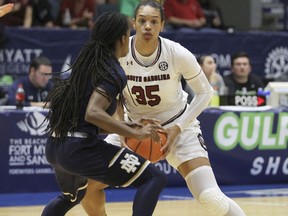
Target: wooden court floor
<point>253,206</point>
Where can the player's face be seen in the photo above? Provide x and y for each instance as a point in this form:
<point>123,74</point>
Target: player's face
<point>241,67</point>
<point>148,23</point>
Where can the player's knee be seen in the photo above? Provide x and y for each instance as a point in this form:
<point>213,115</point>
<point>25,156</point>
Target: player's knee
<point>214,201</point>
<point>74,200</point>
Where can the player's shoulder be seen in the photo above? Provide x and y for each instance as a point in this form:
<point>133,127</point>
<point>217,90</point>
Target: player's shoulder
<point>170,43</point>
<point>173,46</point>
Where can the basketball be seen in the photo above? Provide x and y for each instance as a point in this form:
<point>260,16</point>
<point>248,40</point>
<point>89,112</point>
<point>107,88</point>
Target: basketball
<point>147,148</point>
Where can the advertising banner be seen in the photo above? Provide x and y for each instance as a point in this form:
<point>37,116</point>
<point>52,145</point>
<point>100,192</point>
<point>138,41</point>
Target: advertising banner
<point>245,147</point>
<point>268,50</point>
<point>24,167</point>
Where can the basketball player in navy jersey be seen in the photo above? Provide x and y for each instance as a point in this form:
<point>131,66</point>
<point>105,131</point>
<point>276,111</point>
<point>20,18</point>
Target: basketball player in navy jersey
<point>80,107</point>
<point>154,66</point>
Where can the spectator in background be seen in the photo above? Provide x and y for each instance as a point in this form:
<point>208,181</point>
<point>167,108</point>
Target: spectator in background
<point>184,13</point>
<point>77,13</point>
<point>209,67</point>
<point>212,14</point>
<point>55,5</point>
<point>42,13</point>
<point>111,1</point>
<point>3,96</point>
<point>127,7</point>
<point>241,81</point>
<point>21,15</point>
<point>36,85</point>
<point>5,9</point>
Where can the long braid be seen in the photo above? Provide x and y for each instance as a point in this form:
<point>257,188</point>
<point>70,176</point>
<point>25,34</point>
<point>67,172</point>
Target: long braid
<point>93,64</point>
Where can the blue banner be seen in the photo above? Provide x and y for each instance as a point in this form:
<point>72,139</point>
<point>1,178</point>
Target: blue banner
<point>23,165</point>
<point>245,147</point>
<point>268,50</point>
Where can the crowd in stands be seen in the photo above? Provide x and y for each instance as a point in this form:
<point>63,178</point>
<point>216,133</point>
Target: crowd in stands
<point>81,13</point>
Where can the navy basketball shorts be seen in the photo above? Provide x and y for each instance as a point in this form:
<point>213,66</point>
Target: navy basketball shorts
<point>77,159</point>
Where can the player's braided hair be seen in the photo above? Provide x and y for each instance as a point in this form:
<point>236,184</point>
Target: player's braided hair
<point>151,3</point>
<point>92,64</point>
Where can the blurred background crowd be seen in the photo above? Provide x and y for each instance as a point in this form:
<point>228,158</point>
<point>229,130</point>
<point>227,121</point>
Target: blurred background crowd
<point>221,14</point>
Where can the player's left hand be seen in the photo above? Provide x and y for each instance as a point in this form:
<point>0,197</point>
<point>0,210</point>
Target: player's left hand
<point>5,9</point>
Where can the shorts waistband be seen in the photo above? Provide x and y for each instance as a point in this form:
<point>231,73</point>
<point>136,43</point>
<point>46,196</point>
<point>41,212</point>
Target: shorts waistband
<point>174,117</point>
<point>74,134</point>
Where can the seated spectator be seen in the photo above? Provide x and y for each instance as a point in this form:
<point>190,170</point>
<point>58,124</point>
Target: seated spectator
<point>36,85</point>
<point>5,9</point>
<point>21,15</point>
<point>209,67</point>
<point>77,13</point>
<point>3,96</point>
<point>241,81</point>
<point>55,5</point>
<point>184,13</point>
<point>212,14</point>
<point>42,13</point>
<point>127,8</point>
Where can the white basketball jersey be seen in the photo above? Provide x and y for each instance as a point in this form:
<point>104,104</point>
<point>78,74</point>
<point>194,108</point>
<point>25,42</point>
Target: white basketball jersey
<point>155,90</point>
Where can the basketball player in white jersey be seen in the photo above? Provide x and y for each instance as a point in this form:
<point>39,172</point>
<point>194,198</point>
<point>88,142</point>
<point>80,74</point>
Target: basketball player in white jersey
<point>154,66</point>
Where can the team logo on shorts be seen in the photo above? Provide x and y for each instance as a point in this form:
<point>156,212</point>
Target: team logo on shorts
<point>130,163</point>
<point>163,66</point>
<point>202,141</point>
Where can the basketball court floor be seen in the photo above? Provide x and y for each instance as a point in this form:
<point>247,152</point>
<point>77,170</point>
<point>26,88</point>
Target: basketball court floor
<point>255,200</point>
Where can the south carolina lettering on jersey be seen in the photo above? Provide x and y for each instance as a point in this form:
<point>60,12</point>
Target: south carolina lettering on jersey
<point>148,78</point>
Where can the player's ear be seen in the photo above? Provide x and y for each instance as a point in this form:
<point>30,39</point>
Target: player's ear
<point>133,22</point>
<point>162,26</point>
<point>123,39</point>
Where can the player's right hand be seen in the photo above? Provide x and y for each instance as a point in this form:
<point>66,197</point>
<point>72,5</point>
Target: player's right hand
<point>149,130</point>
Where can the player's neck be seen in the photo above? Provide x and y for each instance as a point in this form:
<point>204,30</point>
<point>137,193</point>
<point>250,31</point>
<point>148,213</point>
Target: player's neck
<point>146,48</point>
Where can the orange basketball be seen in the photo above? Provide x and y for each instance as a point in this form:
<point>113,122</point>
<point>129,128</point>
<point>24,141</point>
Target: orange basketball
<point>147,148</point>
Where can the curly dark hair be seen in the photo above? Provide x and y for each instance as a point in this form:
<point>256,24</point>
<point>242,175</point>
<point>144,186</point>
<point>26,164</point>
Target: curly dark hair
<point>92,65</point>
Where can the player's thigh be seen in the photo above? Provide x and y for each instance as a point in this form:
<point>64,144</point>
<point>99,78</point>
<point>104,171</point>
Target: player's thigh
<point>190,165</point>
<point>189,151</point>
<point>95,186</point>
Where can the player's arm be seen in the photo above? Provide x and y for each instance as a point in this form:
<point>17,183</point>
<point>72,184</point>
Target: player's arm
<point>198,82</point>
<point>118,115</point>
<point>96,114</point>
